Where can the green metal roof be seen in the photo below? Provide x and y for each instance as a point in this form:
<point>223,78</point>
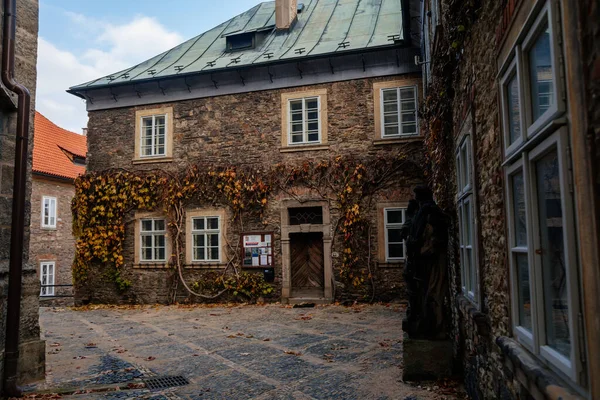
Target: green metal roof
<point>324,27</point>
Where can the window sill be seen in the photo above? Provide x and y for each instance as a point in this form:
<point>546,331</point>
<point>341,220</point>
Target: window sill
<point>205,265</point>
<point>391,264</point>
<point>396,140</point>
<point>531,372</point>
<point>152,160</point>
<point>151,266</point>
<point>469,309</point>
<point>49,228</point>
<point>308,147</point>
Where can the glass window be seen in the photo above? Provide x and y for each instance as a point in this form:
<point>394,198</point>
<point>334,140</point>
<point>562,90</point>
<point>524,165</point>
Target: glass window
<point>153,240</point>
<point>399,111</point>
<point>49,212</point>
<point>541,74</point>
<point>153,136</point>
<point>514,112</point>
<point>206,234</point>
<point>47,278</point>
<point>304,124</point>
<point>395,247</point>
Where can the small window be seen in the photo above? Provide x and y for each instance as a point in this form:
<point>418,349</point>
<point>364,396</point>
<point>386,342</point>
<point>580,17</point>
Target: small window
<point>153,240</point>
<point>395,246</point>
<point>153,136</point>
<point>257,249</point>
<point>47,275</point>
<point>399,111</point>
<point>49,212</point>
<point>241,41</point>
<point>305,215</point>
<point>304,125</point>
<point>206,232</point>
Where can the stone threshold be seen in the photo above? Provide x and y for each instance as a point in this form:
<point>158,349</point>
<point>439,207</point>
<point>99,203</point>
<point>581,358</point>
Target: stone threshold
<point>314,300</point>
<point>540,381</point>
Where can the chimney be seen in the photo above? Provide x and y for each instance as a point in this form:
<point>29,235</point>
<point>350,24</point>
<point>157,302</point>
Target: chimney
<point>286,12</point>
<point>84,131</point>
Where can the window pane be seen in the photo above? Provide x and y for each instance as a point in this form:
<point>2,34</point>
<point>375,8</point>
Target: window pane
<point>296,127</point>
<point>394,216</point>
<point>199,253</point>
<point>147,122</point>
<point>390,107</point>
<point>147,241</point>
<point>396,250</point>
<point>390,119</point>
<point>212,223</point>
<point>390,95</point>
<point>311,104</point>
<point>214,253</point>
<point>313,137</point>
<point>467,223</point>
<point>409,117</point>
<point>159,224</point>
<point>540,69</point>
<point>524,290</point>
<point>198,240</point>
<point>147,254</point>
<point>312,115</point>
<point>554,266</point>
<point>198,224</point>
<point>160,253</point>
<point>213,240</point>
<point>313,126</point>
<point>159,240</point>
<point>296,104</point>
<point>514,113</point>
<point>297,138</point>
<point>409,128</point>
<point>394,236</point>
<point>407,93</point>
<point>296,116</point>
<point>146,225</point>
<point>160,121</point>
<point>519,210</point>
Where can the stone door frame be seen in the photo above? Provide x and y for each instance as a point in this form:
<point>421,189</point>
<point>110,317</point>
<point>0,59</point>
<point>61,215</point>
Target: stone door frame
<point>287,229</point>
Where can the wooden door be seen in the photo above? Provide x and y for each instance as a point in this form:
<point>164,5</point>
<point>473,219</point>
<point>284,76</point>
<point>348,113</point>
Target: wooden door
<point>306,253</point>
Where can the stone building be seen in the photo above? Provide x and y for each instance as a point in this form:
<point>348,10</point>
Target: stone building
<point>58,158</point>
<point>511,122</point>
<point>283,85</point>
<point>31,348</point>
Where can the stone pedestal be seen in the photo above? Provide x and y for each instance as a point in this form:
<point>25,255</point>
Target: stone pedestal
<point>427,359</point>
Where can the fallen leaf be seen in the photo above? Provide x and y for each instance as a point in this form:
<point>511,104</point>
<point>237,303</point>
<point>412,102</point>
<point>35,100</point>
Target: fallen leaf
<point>266,340</point>
<point>150,358</point>
<point>55,344</point>
<point>79,357</point>
<point>293,353</point>
<point>244,354</point>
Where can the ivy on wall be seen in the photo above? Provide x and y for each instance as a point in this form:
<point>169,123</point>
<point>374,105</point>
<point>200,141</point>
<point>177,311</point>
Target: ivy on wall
<point>103,200</point>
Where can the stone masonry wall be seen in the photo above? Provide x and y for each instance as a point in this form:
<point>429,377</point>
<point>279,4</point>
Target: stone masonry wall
<point>49,244</point>
<point>219,131</point>
<point>32,349</point>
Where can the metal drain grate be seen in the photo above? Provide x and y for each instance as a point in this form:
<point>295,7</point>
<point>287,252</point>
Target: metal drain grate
<point>163,382</point>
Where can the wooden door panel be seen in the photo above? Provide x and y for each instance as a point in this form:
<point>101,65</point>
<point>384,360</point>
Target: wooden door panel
<point>307,261</point>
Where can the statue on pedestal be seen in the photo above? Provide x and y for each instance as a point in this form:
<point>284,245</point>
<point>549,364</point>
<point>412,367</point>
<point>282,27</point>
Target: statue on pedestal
<point>426,273</point>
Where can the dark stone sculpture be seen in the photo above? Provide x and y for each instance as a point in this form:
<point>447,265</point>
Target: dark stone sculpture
<point>426,273</point>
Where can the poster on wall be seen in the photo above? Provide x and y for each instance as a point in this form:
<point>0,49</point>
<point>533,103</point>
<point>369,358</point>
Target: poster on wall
<point>257,250</point>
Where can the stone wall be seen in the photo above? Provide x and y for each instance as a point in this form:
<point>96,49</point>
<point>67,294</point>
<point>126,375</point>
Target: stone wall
<point>239,130</point>
<point>53,244</point>
<point>32,349</point>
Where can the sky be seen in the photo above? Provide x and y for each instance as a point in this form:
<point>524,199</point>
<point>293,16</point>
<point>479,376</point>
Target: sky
<point>81,40</point>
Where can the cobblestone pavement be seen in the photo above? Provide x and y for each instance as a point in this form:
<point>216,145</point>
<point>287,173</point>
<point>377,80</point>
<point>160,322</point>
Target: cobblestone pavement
<point>238,352</point>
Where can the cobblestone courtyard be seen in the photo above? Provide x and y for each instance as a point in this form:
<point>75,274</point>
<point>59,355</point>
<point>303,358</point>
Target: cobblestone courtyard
<point>238,352</point>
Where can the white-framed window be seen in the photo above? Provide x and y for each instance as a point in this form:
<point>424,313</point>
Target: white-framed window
<point>49,212</point>
<point>206,242</point>
<point>304,125</point>
<point>153,136</point>
<point>466,217</point>
<point>399,111</point>
<point>395,247</point>
<point>47,274</point>
<point>153,242</point>
<point>542,244</point>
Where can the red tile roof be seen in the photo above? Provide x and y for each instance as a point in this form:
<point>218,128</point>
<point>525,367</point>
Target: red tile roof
<point>54,147</point>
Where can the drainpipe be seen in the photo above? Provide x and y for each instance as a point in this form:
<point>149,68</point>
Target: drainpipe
<point>13,314</point>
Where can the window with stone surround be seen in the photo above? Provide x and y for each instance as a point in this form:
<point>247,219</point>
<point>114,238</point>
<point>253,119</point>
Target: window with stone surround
<point>395,109</point>
<point>47,275</point>
<point>49,212</point>
<point>152,243</point>
<point>395,246</point>
<point>304,119</point>
<point>205,238</point>
<point>154,135</point>
<point>465,207</point>
<point>540,208</point>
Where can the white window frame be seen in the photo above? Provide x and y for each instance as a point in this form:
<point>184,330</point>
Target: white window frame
<point>400,123</point>
<point>538,138</point>
<point>305,140</point>
<point>511,72</point>
<point>47,291</point>
<point>51,218</point>
<point>154,233</point>
<point>465,196</point>
<point>205,232</point>
<point>387,225</point>
<point>154,136</point>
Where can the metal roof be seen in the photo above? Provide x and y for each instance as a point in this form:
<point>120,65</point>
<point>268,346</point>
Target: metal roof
<point>324,28</point>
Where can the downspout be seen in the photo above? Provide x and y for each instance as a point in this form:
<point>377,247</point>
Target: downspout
<point>13,315</point>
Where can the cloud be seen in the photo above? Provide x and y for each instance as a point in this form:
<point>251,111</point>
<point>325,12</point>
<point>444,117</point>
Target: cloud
<point>117,47</point>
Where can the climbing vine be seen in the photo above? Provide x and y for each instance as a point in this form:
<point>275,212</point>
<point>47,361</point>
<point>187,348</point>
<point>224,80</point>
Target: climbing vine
<point>103,200</point>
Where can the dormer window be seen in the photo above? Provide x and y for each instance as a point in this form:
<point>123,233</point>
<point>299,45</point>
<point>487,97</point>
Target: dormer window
<point>241,42</point>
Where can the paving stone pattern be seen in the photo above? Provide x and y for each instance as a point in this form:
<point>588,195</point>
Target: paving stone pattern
<point>240,352</point>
